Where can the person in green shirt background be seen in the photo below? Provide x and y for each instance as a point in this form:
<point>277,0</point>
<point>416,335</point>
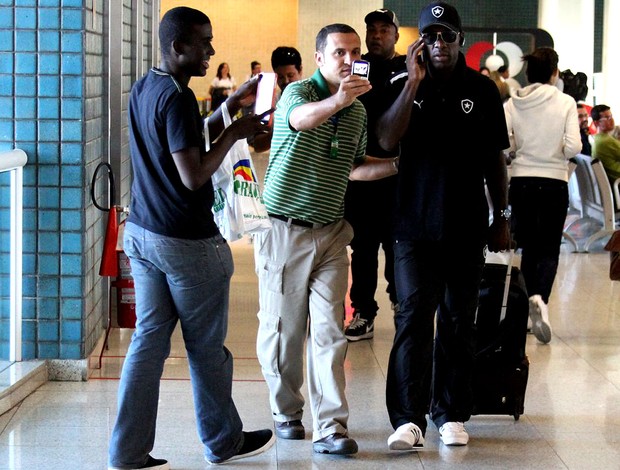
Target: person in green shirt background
<point>606,148</point>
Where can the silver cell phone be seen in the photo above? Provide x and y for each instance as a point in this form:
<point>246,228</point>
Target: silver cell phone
<point>360,68</point>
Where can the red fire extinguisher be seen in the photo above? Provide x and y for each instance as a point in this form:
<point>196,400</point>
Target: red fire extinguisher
<point>125,293</point>
<point>125,303</point>
<point>114,262</point>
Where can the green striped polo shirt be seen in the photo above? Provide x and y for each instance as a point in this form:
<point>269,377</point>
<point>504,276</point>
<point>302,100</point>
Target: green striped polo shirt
<point>304,179</point>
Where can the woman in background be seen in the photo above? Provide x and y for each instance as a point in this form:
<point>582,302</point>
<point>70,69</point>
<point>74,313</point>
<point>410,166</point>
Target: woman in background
<point>222,86</point>
<point>544,133</point>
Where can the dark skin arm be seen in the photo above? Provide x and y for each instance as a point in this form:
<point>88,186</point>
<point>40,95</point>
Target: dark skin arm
<point>262,142</point>
<point>195,165</point>
<point>497,184</point>
<point>393,124</point>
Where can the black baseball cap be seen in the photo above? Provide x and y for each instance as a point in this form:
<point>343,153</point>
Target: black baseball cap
<point>439,13</point>
<point>388,16</point>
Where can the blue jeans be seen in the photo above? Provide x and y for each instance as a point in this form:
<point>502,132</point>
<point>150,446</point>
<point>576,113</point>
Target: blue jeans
<point>186,281</point>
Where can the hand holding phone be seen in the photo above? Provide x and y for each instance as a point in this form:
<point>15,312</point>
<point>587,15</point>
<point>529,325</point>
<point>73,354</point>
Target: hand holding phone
<point>360,68</point>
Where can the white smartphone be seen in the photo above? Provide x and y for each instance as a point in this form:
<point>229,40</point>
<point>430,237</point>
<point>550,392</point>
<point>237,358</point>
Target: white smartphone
<point>361,68</point>
<point>266,96</point>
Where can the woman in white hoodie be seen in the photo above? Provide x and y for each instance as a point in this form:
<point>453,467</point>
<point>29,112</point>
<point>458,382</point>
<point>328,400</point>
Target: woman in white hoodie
<point>544,133</point>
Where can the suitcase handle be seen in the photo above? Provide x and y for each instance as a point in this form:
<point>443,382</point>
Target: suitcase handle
<point>507,285</point>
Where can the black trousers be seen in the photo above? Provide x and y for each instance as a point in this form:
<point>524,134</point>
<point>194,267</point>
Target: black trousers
<point>369,237</point>
<point>431,372</point>
<point>539,207</point>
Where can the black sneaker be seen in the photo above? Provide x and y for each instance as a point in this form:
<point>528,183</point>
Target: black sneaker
<point>290,430</point>
<point>336,443</point>
<point>151,463</point>
<point>254,443</point>
<point>360,328</point>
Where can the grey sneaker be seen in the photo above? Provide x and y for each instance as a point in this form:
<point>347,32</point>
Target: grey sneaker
<point>539,314</point>
<point>360,328</point>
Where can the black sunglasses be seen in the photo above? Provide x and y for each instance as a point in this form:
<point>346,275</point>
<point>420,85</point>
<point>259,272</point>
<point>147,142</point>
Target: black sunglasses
<point>446,36</point>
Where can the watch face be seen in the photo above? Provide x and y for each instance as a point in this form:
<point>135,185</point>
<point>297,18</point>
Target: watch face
<point>506,213</point>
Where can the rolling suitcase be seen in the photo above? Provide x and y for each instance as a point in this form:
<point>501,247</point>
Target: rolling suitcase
<point>501,366</point>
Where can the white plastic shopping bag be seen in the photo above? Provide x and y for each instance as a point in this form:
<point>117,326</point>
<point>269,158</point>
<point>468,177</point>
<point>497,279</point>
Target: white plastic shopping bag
<point>238,208</point>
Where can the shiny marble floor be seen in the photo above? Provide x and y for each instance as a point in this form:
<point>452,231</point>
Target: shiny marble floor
<point>571,420</point>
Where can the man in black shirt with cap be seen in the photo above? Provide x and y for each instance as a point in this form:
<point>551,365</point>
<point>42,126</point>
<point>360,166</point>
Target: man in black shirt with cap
<point>441,226</point>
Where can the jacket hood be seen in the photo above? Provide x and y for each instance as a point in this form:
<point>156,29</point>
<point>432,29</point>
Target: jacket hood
<point>533,95</point>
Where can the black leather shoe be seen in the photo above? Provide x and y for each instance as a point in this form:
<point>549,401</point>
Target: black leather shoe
<point>336,443</point>
<point>290,430</point>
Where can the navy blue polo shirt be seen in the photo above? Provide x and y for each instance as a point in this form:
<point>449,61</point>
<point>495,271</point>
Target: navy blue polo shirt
<point>456,127</point>
<point>371,202</point>
<point>164,118</point>
<point>376,100</point>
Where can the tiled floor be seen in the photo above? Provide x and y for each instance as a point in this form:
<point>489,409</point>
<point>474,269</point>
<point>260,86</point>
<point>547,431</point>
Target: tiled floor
<point>571,420</point>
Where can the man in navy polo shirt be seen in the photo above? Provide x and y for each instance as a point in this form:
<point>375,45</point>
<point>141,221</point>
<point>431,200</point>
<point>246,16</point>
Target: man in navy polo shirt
<point>180,263</point>
<point>441,226</point>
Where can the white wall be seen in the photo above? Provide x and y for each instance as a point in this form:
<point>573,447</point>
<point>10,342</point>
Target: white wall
<point>571,24</point>
<point>608,89</point>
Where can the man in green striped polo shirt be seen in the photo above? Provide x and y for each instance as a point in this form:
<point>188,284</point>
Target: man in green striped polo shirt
<point>302,264</point>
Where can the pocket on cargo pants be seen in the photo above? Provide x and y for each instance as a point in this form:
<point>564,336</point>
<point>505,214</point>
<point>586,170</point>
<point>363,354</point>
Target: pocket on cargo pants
<point>268,342</point>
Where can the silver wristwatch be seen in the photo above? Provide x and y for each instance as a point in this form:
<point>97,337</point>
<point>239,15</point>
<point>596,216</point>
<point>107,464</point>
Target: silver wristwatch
<point>505,213</point>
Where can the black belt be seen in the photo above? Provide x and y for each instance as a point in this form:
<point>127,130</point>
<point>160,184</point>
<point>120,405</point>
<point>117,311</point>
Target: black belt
<point>298,222</point>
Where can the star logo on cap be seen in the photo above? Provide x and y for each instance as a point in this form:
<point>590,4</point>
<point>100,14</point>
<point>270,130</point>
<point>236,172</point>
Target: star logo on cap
<point>467,106</point>
<point>437,12</point>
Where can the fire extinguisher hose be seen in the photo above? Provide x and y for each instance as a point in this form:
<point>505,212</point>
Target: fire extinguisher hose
<point>112,186</point>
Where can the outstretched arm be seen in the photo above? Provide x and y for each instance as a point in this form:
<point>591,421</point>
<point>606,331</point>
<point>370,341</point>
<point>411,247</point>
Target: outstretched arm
<point>196,167</point>
<point>311,115</point>
<point>374,168</point>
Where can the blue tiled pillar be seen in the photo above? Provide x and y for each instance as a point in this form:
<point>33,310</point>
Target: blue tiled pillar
<point>42,83</point>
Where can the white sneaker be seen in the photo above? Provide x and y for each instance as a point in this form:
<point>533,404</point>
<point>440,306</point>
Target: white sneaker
<point>406,437</point>
<point>453,433</point>
<point>539,313</point>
